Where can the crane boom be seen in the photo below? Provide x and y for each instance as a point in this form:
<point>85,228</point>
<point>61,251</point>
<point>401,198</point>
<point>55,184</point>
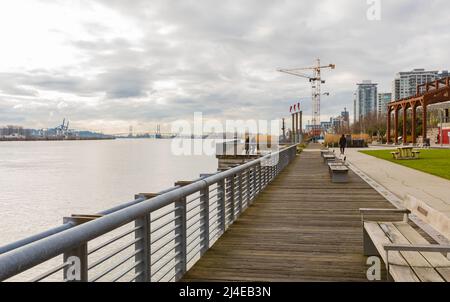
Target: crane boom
<point>332,66</point>
<point>293,72</point>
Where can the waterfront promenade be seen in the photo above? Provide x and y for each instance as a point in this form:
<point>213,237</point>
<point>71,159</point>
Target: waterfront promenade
<point>404,183</point>
<point>302,227</point>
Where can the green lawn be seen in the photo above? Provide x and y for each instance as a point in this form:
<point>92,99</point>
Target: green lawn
<point>436,162</point>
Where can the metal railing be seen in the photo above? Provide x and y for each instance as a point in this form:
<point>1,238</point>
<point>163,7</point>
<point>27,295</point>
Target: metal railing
<point>149,239</point>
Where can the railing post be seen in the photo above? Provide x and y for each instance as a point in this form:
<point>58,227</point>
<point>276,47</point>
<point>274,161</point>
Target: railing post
<point>253,184</point>
<point>239,179</point>
<point>276,166</point>
<point>204,210</point>
<point>274,169</point>
<point>77,259</point>
<point>77,270</point>
<point>144,257</point>
<point>233,198</point>
<point>243,177</point>
<point>222,201</point>
<point>270,172</point>
<point>258,173</point>
<point>181,240</point>
<point>263,176</point>
<point>280,163</point>
<point>248,186</point>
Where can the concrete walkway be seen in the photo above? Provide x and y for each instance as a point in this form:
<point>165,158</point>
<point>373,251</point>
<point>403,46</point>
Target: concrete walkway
<point>423,190</point>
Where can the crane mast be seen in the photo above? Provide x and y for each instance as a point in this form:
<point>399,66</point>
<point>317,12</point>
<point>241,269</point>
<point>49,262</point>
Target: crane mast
<point>316,82</point>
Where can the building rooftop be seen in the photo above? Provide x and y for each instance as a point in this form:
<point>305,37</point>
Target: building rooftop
<point>367,82</point>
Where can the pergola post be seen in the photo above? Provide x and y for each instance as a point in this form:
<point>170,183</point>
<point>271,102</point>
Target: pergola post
<point>388,130</point>
<point>424,120</point>
<point>414,123</point>
<point>405,116</point>
<point>396,124</point>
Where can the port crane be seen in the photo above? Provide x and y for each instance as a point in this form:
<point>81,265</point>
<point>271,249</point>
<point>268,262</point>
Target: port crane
<point>316,81</point>
<point>63,129</point>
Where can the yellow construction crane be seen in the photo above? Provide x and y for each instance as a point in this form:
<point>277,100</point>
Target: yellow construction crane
<point>316,80</point>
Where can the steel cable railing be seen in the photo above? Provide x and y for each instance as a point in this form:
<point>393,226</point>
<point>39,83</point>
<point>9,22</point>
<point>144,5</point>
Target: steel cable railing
<point>155,239</point>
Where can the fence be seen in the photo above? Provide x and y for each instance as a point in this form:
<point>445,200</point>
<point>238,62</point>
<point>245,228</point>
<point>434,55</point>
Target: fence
<point>154,238</point>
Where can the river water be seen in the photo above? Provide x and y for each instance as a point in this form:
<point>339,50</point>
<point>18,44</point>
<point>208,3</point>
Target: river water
<point>41,182</point>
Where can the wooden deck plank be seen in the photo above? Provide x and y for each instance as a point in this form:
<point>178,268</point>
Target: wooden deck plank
<point>302,227</point>
<point>437,260</point>
<point>419,264</point>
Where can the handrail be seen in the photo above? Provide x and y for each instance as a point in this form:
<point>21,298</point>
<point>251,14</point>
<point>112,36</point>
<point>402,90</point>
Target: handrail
<point>71,224</point>
<point>27,256</point>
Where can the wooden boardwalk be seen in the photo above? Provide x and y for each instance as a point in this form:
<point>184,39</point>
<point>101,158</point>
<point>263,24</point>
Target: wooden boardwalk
<point>301,228</point>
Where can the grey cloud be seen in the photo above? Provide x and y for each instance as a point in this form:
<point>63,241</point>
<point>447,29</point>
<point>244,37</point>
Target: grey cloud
<point>125,83</point>
<point>222,57</point>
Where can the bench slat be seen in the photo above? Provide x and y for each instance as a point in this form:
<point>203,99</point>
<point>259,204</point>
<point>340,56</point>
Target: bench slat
<point>437,260</point>
<point>419,264</point>
<point>398,266</point>
<point>339,168</point>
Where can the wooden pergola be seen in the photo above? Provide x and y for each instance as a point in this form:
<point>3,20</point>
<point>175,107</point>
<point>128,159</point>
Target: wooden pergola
<point>426,94</point>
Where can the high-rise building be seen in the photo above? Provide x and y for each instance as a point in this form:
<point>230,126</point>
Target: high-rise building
<point>383,100</point>
<point>396,90</point>
<point>366,99</point>
<point>405,83</point>
<point>345,117</point>
<point>338,123</point>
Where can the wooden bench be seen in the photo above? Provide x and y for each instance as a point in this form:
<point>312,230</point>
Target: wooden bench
<point>335,163</point>
<point>324,152</point>
<point>339,172</point>
<point>408,256</point>
<point>395,155</point>
<point>329,157</point>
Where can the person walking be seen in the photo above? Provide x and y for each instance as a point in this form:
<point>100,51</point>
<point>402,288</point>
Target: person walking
<point>247,145</point>
<point>253,147</point>
<point>343,144</point>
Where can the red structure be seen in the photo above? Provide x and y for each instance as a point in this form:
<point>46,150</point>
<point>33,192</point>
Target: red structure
<point>445,139</point>
<point>427,94</point>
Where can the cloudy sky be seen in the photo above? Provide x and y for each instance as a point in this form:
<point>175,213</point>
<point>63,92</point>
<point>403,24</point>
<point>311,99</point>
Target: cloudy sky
<point>109,64</point>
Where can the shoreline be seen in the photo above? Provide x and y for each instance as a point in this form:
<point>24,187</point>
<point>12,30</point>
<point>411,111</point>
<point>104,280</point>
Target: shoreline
<point>52,139</point>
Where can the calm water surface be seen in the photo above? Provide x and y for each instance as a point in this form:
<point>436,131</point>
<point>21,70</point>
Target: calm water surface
<point>41,182</point>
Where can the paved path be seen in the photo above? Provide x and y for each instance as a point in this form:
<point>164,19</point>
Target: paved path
<point>402,181</point>
<point>301,228</point>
